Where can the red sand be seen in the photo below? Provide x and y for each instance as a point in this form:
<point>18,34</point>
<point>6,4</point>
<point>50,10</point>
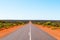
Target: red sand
<point>55,33</point>
<point>9,30</point>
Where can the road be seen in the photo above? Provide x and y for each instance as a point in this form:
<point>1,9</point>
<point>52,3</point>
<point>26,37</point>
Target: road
<point>28,32</point>
<point>38,34</point>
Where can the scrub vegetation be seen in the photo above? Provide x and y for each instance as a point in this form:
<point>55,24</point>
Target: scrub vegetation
<point>54,24</point>
<point>5,24</point>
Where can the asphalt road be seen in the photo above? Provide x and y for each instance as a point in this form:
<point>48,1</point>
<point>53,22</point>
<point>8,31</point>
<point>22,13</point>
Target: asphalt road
<point>38,34</point>
<point>28,32</point>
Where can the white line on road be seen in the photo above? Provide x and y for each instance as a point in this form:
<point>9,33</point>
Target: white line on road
<point>29,32</point>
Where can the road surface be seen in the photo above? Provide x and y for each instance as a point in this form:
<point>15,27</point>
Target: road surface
<point>28,32</point>
<point>38,34</point>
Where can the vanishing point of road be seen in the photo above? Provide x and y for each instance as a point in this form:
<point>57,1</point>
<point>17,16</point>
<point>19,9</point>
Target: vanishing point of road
<point>28,32</point>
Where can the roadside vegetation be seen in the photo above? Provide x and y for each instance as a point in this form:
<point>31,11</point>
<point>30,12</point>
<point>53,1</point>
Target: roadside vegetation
<point>5,24</point>
<point>48,23</point>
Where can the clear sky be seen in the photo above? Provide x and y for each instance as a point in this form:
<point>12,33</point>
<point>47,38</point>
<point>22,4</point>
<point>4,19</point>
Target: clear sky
<point>30,9</point>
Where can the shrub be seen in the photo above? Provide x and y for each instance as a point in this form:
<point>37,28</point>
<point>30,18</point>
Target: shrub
<point>38,22</point>
<point>47,23</point>
<point>7,25</point>
<point>1,25</point>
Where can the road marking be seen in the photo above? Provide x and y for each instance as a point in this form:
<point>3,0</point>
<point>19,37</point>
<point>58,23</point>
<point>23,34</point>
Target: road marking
<point>29,32</point>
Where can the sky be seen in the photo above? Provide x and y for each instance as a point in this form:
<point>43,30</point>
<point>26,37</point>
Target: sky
<point>30,9</point>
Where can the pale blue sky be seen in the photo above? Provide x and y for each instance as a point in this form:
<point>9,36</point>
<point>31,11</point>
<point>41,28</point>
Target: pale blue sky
<point>30,9</point>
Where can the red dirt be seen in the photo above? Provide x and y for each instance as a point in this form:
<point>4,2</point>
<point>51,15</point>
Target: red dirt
<point>55,33</point>
<point>5,32</point>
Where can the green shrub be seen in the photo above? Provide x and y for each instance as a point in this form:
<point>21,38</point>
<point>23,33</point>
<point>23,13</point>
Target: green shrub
<point>7,25</point>
<point>38,22</point>
<point>48,23</point>
<point>1,25</point>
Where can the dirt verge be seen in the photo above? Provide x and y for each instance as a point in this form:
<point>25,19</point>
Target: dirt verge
<point>9,30</point>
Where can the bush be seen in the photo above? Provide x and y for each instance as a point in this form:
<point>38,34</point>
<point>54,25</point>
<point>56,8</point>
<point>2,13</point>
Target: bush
<point>7,25</point>
<point>48,23</point>
<point>1,25</point>
<point>38,22</point>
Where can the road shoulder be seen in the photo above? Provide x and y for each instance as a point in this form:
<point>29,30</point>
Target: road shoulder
<point>6,32</point>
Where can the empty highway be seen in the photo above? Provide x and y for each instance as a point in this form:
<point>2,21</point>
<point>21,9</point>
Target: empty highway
<point>28,32</point>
